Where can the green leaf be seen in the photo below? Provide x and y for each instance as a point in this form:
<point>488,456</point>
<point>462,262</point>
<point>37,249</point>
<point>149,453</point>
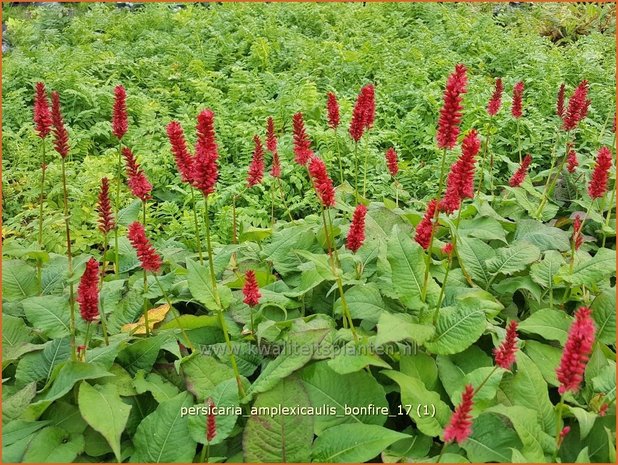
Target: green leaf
<point>492,439</point>
<point>280,251</point>
<point>65,415</point>
<point>473,254</point>
<point>541,235</point>
<point>16,404</point>
<point>353,443</point>
<point>395,327</point>
<point>105,412</point>
<point>18,280</point>
<point>159,387</point>
<point>511,285</point>
<point>414,394</point>
<point>16,438</point>
<point>54,445</point>
<point>284,365</point>
<point>509,260</point>
<point>550,324</point>
<point>527,387</point>
<point>280,437</point>
<point>142,354</point>
<point>420,366</point>
<point>484,228</point>
<point>202,374</point>
<point>407,261</point>
<point>589,272</point>
<point>70,373</point>
<point>457,329</point>
<point>163,436</point>
<point>364,301</point>
<point>49,315</point>
<point>346,363</point>
<point>39,366</point>
<point>543,273</point>
<point>546,358</point>
<point>605,382</point>
<point>604,314</point>
<point>200,285</point>
<point>327,387</point>
<point>15,335</point>
<point>585,419</point>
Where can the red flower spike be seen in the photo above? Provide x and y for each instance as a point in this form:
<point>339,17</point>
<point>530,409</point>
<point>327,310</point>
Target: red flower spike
<point>322,182</point>
<point>363,114</point>
<point>119,116</point>
<point>459,427</point>
<point>496,98</point>
<point>136,178</point>
<point>521,172</point>
<point>577,237</point>
<point>251,290</point>
<point>424,229</point>
<point>205,171</point>
<point>61,135</point>
<point>42,113</point>
<point>504,355</point>
<point>182,156</point>
<point>88,291</point>
<point>578,107</point>
<point>332,107</point>
<point>146,253</point>
<point>302,144</point>
<point>256,168</point>
<point>598,181</point>
<point>356,234</point>
<point>576,351</point>
<point>517,103</point>
<point>211,422</point>
<point>572,161</point>
<point>391,162</point>
<point>460,181</point>
<point>450,114</point>
<point>603,409</point>
<point>560,101</point>
<point>447,249</point>
<point>271,138</point>
<point>369,106</point>
<point>104,207</point>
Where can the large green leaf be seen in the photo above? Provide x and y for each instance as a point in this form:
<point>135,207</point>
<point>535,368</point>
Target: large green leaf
<point>327,387</point>
<point>543,273</point>
<point>548,323</point>
<point>407,261</point>
<point>509,260</point>
<point>414,397</point>
<point>604,314</point>
<point>142,354</point>
<point>200,285</point>
<point>163,436</point>
<point>473,255</point>
<point>202,374</point>
<point>588,272</point>
<point>457,329</point>
<point>54,445</point>
<point>395,327</point>
<point>38,366</point>
<point>16,438</point>
<point>546,358</point>
<point>159,387</point>
<point>492,439</point>
<point>280,251</point>
<point>364,301</point>
<point>105,412</point>
<point>353,443</point>
<point>284,437</point>
<point>484,228</point>
<point>70,373</point>
<point>18,280</point>
<point>281,367</point>
<point>49,315</point>
<point>545,237</point>
<point>15,337</point>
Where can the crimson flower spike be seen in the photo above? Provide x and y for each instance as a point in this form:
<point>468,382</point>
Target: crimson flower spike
<point>451,111</point>
<point>146,253</point>
<point>577,349</point>
<point>459,427</point>
<point>136,178</point>
<point>504,355</point>
<point>211,423</point>
<point>577,237</point>
<point>517,103</point>
<point>391,162</point>
<point>119,116</point>
<point>578,107</point>
<point>560,101</point>
<point>42,114</point>
<point>256,167</point>
<point>104,207</point>
<point>271,145</point>
<point>332,107</point>
<point>251,290</point>
<point>356,234</point>
<point>369,105</point>
<point>572,162</point>
<point>521,172</point>
<point>88,291</point>
<point>182,156</point>
<point>322,182</point>
<point>598,182</point>
<point>460,181</point>
<point>206,170</point>
<point>61,135</point>
<point>363,114</point>
<point>302,144</point>
<point>424,229</point>
<point>496,98</point>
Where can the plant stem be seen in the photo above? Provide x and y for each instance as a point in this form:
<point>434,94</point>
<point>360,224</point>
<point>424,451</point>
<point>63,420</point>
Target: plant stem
<point>396,194</point>
<point>519,139</point>
<point>558,426</point>
<point>485,152</point>
<point>552,165</point>
<point>272,208</point>
<point>39,263</point>
<point>356,170</point>
<point>551,186</point>
<point>338,155</point>
<point>197,227</point>
<point>70,260</point>
<point>116,209</point>
<point>205,454</point>
<point>176,318</point>
<point>285,205</point>
<point>215,291</point>
<point>609,214</point>
<point>145,282</point>
<point>102,313</point>
<point>448,269</point>
<point>365,171</point>
<point>480,386</point>
<point>441,452</point>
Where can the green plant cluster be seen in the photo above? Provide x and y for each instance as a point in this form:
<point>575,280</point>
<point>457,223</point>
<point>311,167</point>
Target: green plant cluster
<point>392,330</point>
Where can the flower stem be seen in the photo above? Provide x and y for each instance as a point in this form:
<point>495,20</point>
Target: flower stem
<point>338,155</point>
<point>102,313</point>
<point>39,263</point>
<point>70,260</point>
<point>550,187</point>
<point>519,139</point>
<point>215,291</point>
<point>116,209</point>
<point>169,302</point>
<point>480,386</point>
<point>448,269</point>
<point>365,171</point>
<point>145,281</point>
<point>285,205</point>
<point>196,225</point>
<point>485,152</point>
<point>558,426</point>
<point>356,170</point>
